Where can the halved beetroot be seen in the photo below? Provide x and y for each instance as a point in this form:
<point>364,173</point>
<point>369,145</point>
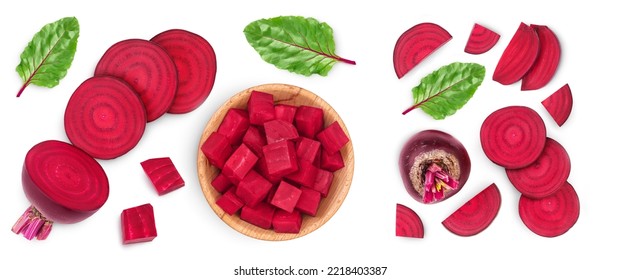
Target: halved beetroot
<point>195,61</point>
<point>475,215</point>
<point>147,68</point>
<point>416,44</point>
<point>163,174</point>
<point>544,176</point>
<point>481,40</point>
<point>559,104</point>
<point>544,67</point>
<point>552,215</point>
<point>105,117</point>
<point>408,223</point>
<point>513,136</point>
<point>518,56</point>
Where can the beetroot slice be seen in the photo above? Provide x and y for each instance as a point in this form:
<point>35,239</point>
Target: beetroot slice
<point>559,104</point>
<point>544,176</point>
<point>513,136</point>
<point>163,174</point>
<point>553,215</point>
<point>64,185</point>
<point>408,223</point>
<point>416,44</point>
<point>481,40</point>
<point>138,224</point>
<point>195,61</point>
<point>105,117</point>
<point>544,67</point>
<point>475,215</point>
<point>518,56</point>
<point>147,68</point>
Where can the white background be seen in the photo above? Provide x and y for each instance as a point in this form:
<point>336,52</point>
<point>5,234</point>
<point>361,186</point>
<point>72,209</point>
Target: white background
<point>193,243</point>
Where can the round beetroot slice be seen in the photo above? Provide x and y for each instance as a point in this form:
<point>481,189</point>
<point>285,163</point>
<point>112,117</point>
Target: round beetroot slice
<point>553,215</point>
<point>408,223</point>
<point>147,68</point>
<point>475,215</point>
<point>513,136</point>
<point>195,61</point>
<point>544,176</point>
<point>105,117</point>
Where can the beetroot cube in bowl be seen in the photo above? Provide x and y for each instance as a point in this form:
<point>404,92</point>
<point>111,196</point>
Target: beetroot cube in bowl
<point>332,138</point>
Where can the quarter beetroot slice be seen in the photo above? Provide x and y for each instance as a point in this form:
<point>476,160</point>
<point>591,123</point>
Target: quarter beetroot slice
<point>475,215</point>
<point>513,136</point>
<point>481,40</point>
<point>195,61</point>
<point>408,223</point>
<point>163,174</point>
<point>552,215</point>
<point>416,44</point>
<point>544,67</point>
<point>105,117</point>
<point>138,224</point>
<point>147,68</point>
<point>518,56</point>
<point>559,104</point>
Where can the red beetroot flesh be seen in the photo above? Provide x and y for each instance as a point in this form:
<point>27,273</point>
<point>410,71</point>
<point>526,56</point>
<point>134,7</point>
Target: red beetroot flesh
<point>481,40</point>
<point>230,202</point>
<point>408,223</point>
<point>285,112</point>
<point>260,107</point>
<point>260,215</point>
<point>331,162</point>
<point>163,174</point>
<point>278,130</point>
<point>286,196</point>
<point>234,125</point>
<point>416,44</point>
<point>559,104</point>
<point>253,188</point>
<point>544,67</point>
<point>280,158</point>
<point>287,222</point>
<point>553,215</point>
<point>513,136</point>
<point>332,138</point>
<point>308,120</point>
<point>323,182</point>
<point>518,56</point>
<point>305,175</point>
<point>309,200</point>
<point>105,117</point>
<point>239,163</point>
<point>307,149</point>
<point>544,176</point>
<point>195,61</point>
<point>138,224</point>
<point>221,183</point>
<point>255,139</point>
<point>476,214</point>
<point>217,149</point>
<point>147,68</point>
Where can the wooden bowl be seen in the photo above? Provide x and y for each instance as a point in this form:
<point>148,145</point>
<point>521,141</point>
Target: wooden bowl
<point>283,94</point>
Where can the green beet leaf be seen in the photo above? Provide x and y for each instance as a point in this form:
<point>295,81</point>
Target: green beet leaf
<point>301,45</point>
<point>446,90</point>
<point>48,56</point>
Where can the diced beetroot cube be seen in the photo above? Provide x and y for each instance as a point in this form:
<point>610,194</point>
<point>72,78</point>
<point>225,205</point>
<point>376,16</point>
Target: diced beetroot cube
<point>279,130</point>
<point>285,222</point>
<point>285,112</point>
<point>230,202</point>
<point>260,215</point>
<point>261,167</point>
<point>221,183</point>
<point>217,148</point>
<point>138,224</point>
<point>260,107</point>
<point>323,182</point>
<point>309,201</point>
<point>255,140</point>
<point>307,149</point>
<point>280,158</point>
<point>253,188</point>
<point>234,125</point>
<point>239,163</point>
<point>163,174</point>
<point>308,120</point>
<point>332,138</point>
<point>305,175</point>
<point>331,162</point>
<point>286,196</point>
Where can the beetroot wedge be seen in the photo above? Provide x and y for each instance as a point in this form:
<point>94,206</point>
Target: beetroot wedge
<point>105,117</point>
<point>475,215</point>
<point>544,67</point>
<point>196,65</point>
<point>147,68</point>
<point>559,104</point>
<point>416,44</point>
<point>408,223</point>
<point>481,40</point>
<point>513,136</point>
<point>544,176</point>
<point>553,215</point>
<point>163,174</point>
<point>518,56</point>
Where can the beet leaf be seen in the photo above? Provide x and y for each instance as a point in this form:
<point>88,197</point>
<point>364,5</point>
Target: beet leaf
<point>301,45</point>
<point>48,56</point>
<point>446,90</point>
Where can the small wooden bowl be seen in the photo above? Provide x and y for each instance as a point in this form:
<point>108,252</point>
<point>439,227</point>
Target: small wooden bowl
<point>283,94</point>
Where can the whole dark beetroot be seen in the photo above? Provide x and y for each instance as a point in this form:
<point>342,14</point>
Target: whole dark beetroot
<point>434,166</point>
